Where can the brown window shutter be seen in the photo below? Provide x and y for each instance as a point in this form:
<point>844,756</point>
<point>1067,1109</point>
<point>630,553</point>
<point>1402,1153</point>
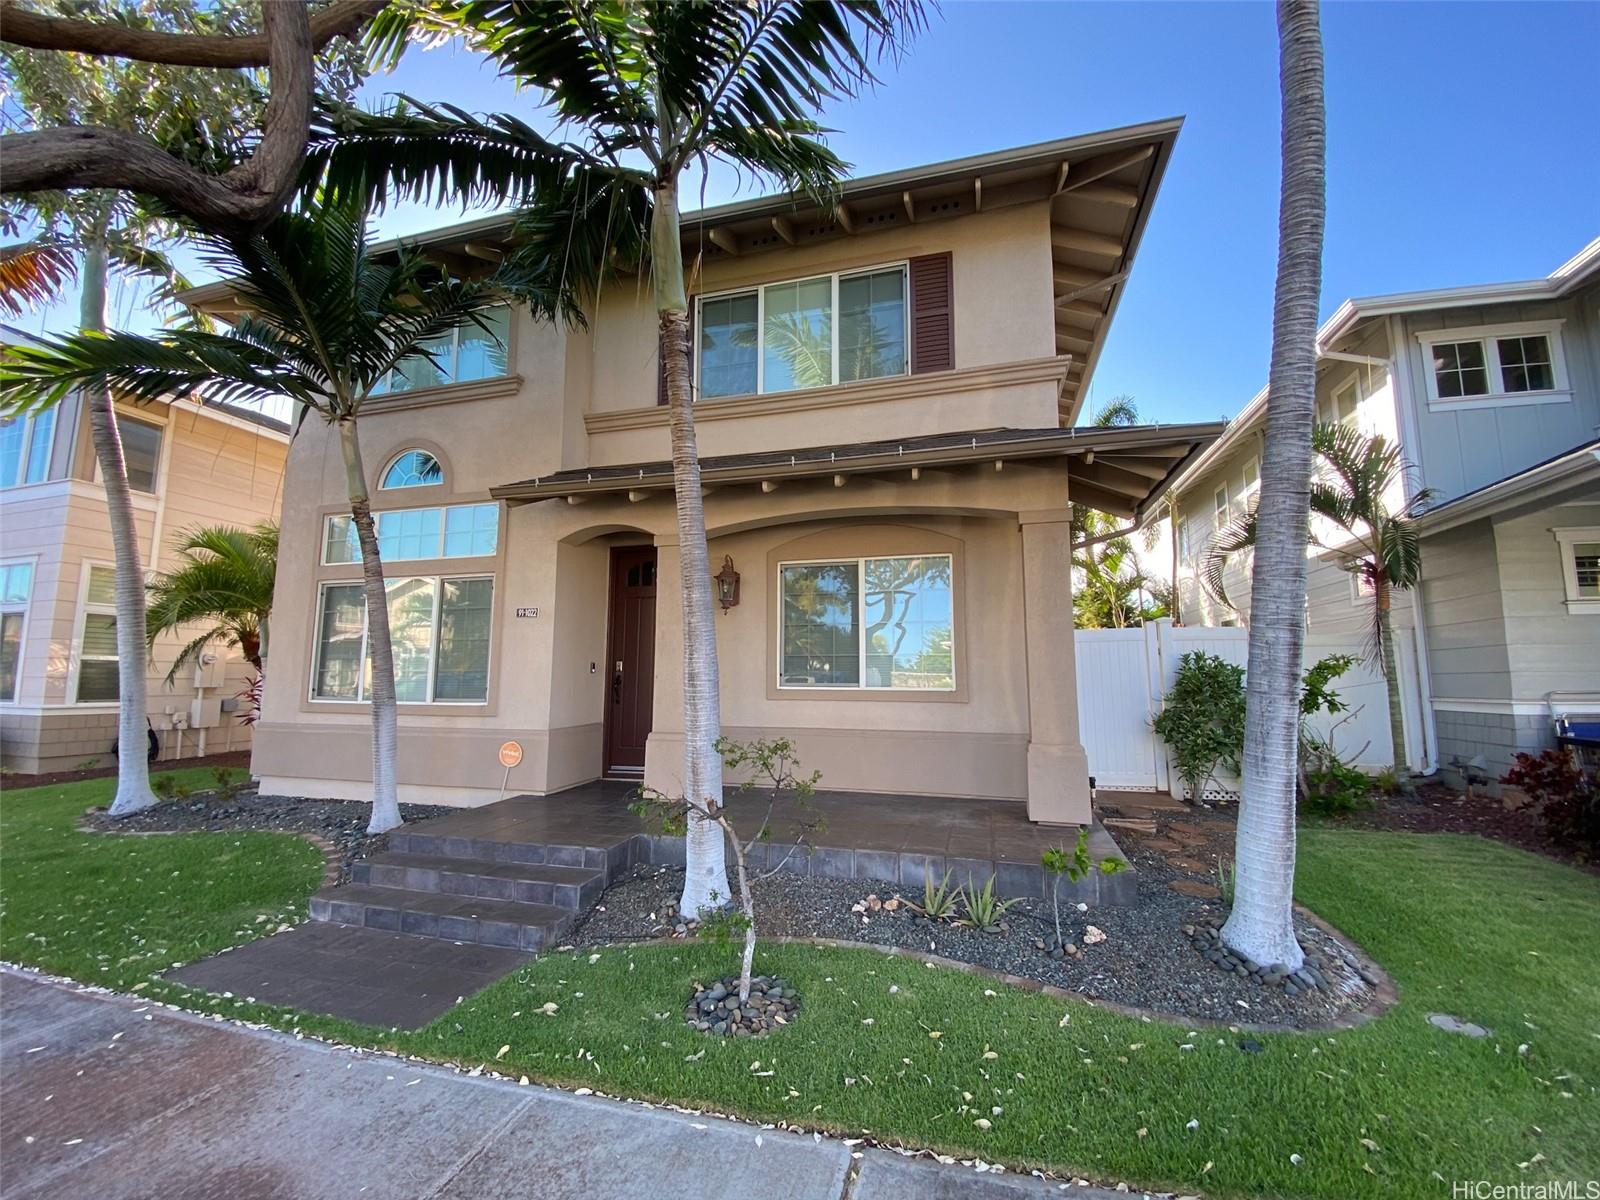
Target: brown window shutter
<point>661,361</point>
<point>933,314</point>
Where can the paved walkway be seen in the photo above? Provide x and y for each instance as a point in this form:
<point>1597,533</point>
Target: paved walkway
<point>104,1096</point>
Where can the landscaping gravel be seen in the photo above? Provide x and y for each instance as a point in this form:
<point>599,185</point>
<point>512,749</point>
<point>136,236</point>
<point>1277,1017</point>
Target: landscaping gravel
<point>343,823</point>
<point>1145,961</point>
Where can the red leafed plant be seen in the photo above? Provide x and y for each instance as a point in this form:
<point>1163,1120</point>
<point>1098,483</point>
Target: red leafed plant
<point>1568,796</point>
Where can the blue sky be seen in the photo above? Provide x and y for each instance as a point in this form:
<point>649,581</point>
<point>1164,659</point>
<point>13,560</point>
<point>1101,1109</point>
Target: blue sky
<point>1462,149</point>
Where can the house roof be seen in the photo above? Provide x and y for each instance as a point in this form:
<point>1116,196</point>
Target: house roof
<point>1099,186</point>
<point>1566,469</point>
<point>1578,271</point>
<point>248,414</point>
<point>1119,470</point>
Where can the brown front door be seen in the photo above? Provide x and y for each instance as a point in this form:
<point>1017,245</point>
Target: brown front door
<point>631,660</point>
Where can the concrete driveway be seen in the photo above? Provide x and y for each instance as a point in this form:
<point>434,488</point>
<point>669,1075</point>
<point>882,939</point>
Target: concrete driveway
<point>107,1097</point>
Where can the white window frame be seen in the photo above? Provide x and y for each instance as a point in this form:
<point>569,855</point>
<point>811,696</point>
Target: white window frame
<point>442,509</point>
<point>30,429</point>
<point>760,290</point>
<point>1488,336</point>
<point>1183,538</point>
<point>19,606</point>
<point>84,610</point>
<point>409,487</point>
<point>433,655</point>
<point>1567,540</point>
<point>860,689</point>
<point>386,386</point>
<point>1220,511</point>
<point>1361,589</point>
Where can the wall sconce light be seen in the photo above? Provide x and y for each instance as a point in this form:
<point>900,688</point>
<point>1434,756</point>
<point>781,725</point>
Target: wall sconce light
<point>727,581</point>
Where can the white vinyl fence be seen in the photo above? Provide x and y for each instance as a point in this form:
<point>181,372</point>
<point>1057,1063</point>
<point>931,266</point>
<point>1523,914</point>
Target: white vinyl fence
<point>1124,674</point>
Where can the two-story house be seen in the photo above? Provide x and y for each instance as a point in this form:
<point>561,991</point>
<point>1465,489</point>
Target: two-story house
<point>885,393</point>
<point>188,466</point>
<point>1493,393</point>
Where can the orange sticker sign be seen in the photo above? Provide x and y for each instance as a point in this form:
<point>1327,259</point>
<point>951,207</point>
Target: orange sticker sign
<point>510,754</point>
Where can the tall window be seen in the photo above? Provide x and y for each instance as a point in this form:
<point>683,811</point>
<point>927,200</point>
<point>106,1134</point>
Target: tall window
<point>141,448</point>
<point>439,629</point>
<point>466,353</point>
<point>25,444</point>
<point>1580,567</point>
<point>458,531</point>
<point>414,468</point>
<point>16,585</point>
<point>1475,364</point>
<point>785,336</point>
<point>97,638</point>
<point>867,623</point>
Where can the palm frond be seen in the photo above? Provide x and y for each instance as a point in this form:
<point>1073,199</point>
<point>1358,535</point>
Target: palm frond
<point>1117,412</point>
<point>1236,535</point>
<point>32,274</point>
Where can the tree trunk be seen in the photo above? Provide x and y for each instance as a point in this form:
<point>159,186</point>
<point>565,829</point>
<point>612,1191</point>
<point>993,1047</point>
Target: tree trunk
<point>385,801</point>
<point>1383,597</point>
<point>133,767</point>
<point>705,881</point>
<point>1261,923</point>
<point>1176,615</point>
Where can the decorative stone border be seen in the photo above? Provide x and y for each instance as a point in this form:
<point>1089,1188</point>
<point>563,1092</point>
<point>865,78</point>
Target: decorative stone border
<point>1385,995</point>
<point>332,862</point>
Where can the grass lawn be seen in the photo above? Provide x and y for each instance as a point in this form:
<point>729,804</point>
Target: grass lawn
<point>1490,934</point>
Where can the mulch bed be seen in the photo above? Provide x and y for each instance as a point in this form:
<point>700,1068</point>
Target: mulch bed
<point>341,823</point>
<point>1440,809</point>
<point>1145,961</point>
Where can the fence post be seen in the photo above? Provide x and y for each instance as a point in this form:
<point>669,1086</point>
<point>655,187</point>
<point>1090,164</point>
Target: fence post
<point>1157,636</point>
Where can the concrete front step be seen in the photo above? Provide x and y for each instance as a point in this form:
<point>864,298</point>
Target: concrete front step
<point>612,858</point>
<point>571,888</point>
<point>479,919</point>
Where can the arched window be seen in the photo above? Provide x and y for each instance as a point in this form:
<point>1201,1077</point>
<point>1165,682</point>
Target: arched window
<point>414,468</point>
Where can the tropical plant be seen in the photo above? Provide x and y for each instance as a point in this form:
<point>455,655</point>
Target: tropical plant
<point>224,582</point>
<point>326,324</point>
<point>1202,719</point>
<point>650,90</point>
<point>1567,794</point>
<point>189,116</point>
<point>1376,544</point>
<point>773,768</point>
<point>1261,922</point>
<point>1110,589</point>
<point>985,910</point>
<point>938,899</point>
<point>179,60</point>
<point>1075,866</point>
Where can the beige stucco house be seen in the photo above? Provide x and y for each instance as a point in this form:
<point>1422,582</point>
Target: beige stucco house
<point>1492,392</point>
<point>187,466</point>
<point>885,401</point>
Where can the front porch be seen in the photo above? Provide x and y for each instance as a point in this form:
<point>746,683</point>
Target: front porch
<point>898,839</point>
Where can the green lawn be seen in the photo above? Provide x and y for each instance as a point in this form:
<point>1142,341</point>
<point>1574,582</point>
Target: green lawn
<point>1490,934</point>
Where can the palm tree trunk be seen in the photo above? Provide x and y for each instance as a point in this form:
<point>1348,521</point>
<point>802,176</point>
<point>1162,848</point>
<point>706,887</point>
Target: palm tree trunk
<point>133,768</point>
<point>705,881</point>
<point>1261,924</point>
<point>385,801</point>
<point>1177,595</point>
<point>1383,599</point>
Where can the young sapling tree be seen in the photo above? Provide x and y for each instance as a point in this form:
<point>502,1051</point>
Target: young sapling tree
<point>1075,866</point>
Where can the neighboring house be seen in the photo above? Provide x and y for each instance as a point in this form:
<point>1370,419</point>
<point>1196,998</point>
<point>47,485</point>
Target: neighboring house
<point>187,466</point>
<point>1494,395</point>
<point>886,395</point>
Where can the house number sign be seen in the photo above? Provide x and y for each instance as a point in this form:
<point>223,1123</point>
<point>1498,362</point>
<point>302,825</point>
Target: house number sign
<point>527,612</point>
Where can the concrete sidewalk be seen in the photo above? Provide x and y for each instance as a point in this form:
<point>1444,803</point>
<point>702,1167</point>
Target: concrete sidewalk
<point>107,1097</point>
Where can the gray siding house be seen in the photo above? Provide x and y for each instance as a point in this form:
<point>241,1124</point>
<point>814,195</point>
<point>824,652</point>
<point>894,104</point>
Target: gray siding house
<point>1493,393</point>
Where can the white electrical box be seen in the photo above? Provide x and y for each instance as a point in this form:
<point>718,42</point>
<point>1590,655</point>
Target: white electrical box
<point>210,672</point>
<point>205,714</point>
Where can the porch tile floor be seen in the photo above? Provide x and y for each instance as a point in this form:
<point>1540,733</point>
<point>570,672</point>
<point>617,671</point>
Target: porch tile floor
<point>368,976</point>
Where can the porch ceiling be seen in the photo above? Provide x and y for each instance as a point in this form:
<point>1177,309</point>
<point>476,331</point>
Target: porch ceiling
<point>1120,471</point>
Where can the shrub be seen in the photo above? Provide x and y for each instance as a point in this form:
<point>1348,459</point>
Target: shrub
<point>1203,720</point>
<point>938,901</point>
<point>1568,797</point>
<point>226,784</point>
<point>984,909</point>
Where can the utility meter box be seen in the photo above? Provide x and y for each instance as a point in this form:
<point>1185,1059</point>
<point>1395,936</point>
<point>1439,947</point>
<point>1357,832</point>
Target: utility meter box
<point>210,671</point>
<point>205,714</point>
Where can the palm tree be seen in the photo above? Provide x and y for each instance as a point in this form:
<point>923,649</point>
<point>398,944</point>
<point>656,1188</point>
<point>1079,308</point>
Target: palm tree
<point>1261,923</point>
<point>326,324</point>
<point>1109,586</point>
<point>667,86</point>
<point>225,582</point>
<point>1376,545</point>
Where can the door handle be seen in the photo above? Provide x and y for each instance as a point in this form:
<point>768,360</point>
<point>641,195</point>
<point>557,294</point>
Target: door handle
<point>616,686</point>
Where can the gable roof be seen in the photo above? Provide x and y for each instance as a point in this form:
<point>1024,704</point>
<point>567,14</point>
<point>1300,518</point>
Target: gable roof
<point>1099,186</point>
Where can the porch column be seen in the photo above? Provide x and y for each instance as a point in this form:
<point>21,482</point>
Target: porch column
<point>663,749</point>
<point>1058,768</point>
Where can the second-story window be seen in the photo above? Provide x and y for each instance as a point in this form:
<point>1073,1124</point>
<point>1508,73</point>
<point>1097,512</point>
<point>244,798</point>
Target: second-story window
<point>409,534</point>
<point>1493,365</point>
<point>141,448</point>
<point>804,333</point>
<point>466,353</point>
<point>25,444</point>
